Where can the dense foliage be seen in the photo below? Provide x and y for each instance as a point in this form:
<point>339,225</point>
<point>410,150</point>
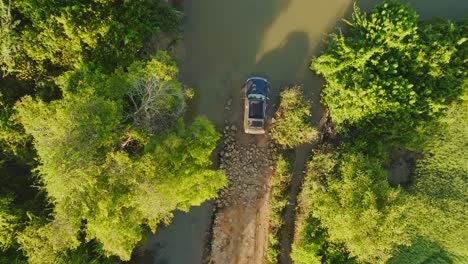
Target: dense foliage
<point>438,195</point>
<point>94,153</point>
<point>440,189</point>
<point>391,82</point>
<point>118,175</point>
<point>311,241</point>
<point>8,38</point>
<point>360,209</point>
<point>58,35</point>
<point>390,71</point>
<point>292,125</point>
<point>351,197</point>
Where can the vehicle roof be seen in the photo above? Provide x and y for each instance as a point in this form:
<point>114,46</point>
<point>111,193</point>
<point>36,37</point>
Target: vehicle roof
<point>257,85</point>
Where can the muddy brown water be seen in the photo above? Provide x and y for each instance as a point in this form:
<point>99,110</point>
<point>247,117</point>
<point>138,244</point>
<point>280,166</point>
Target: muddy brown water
<point>225,42</point>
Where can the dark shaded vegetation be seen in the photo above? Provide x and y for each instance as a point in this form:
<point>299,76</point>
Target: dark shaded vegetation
<point>93,149</point>
<point>277,203</point>
<point>393,86</point>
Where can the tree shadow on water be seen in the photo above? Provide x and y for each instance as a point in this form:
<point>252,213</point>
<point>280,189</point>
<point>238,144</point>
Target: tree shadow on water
<point>283,62</point>
<point>221,40</point>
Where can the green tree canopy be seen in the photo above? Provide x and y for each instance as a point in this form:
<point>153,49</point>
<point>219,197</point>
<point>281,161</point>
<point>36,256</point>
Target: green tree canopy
<point>441,187</point>
<point>108,174</point>
<point>393,81</point>
<point>389,71</point>
<point>361,210</point>
<point>92,112</point>
<point>58,34</point>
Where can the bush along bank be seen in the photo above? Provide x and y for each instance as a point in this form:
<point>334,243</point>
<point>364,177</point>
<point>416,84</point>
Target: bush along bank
<point>277,203</point>
<point>291,128</point>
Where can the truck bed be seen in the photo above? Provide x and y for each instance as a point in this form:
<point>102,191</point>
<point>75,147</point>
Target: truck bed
<point>256,109</point>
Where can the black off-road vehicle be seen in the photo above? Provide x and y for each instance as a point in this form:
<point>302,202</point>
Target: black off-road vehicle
<point>256,97</point>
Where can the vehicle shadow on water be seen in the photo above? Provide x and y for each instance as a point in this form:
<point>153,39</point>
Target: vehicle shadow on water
<point>225,42</point>
<point>286,66</point>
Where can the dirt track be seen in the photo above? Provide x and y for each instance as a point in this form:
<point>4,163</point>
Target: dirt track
<point>240,229</point>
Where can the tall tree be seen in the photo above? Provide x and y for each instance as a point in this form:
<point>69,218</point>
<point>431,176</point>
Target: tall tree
<point>361,210</point>
<point>58,35</point>
<point>106,167</point>
<point>389,72</point>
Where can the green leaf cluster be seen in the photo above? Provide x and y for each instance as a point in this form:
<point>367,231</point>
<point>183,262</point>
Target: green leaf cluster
<point>389,72</point>
<point>108,176</point>
<point>56,35</point>
<point>312,243</point>
<point>292,125</point>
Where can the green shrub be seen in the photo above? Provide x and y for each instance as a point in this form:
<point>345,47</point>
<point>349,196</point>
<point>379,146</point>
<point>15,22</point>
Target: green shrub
<point>312,243</point>
<point>292,125</point>
<point>305,254</point>
<point>389,73</point>
<point>272,249</point>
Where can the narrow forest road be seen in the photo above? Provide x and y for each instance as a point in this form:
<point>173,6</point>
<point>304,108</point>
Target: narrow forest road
<point>240,229</point>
